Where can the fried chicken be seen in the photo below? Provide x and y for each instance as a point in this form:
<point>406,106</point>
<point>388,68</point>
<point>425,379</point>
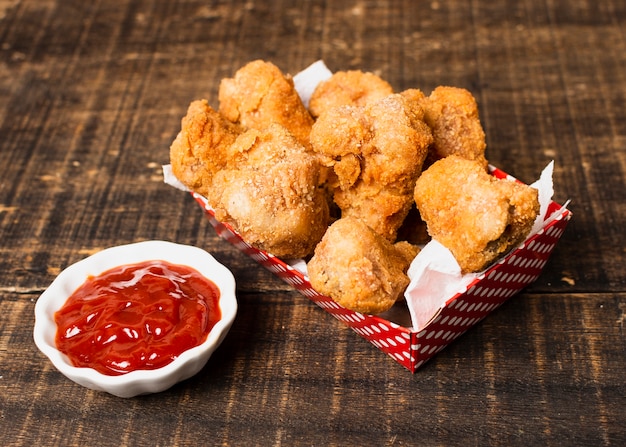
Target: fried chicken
<point>452,114</point>
<point>358,268</point>
<point>376,153</point>
<point>352,87</point>
<point>201,147</point>
<point>260,94</point>
<point>271,196</point>
<point>476,216</point>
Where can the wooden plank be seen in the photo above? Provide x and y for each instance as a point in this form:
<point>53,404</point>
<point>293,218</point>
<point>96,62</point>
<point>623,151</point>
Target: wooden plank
<point>289,373</point>
<point>91,95</point>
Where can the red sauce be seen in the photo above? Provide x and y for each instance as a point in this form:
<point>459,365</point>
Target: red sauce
<point>139,316</point>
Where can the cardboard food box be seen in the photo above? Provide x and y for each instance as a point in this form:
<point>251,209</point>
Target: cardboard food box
<point>409,347</point>
<point>437,319</point>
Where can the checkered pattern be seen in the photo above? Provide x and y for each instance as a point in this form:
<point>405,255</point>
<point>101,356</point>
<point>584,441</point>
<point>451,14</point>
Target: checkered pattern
<point>412,348</point>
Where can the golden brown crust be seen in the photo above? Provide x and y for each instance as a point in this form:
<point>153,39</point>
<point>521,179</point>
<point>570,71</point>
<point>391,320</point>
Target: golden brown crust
<point>358,268</point>
<point>201,147</point>
<point>376,152</point>
<point>260,94</point>
<point>352,87</point>
<point>475,215</point>
<point>452,114</point>
<point>272,196</point>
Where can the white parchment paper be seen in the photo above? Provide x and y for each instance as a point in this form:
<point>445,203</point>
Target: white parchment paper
<point>436,275</point>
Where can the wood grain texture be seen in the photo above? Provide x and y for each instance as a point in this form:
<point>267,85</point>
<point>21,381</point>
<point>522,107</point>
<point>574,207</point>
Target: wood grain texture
<point>91,95</point>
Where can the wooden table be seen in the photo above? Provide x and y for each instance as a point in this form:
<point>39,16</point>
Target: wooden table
<point>91,95</point>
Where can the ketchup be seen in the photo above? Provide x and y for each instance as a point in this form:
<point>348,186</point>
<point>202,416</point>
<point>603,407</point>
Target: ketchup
<point>138,316</point>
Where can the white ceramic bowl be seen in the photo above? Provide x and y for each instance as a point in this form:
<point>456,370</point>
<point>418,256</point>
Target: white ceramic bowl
<point>140,381</point>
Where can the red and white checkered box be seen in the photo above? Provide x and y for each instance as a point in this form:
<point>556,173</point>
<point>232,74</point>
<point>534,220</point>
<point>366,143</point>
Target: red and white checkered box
<point>406,346</point>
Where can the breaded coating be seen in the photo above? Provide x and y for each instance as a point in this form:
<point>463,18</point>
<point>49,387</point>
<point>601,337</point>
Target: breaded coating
<point>272,195</point>
<point>352,87</point>
<point>452,114</point>
<point>475,215</point>
<point>414,94</point>
<point>260,94</point>
<point>376,153</point>
<point>201,147</point>
<point>358,268</point>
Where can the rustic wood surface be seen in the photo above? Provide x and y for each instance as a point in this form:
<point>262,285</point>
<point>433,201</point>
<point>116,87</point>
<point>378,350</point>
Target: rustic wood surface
<point>91,95</point>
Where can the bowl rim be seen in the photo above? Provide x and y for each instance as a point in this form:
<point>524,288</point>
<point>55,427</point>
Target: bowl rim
<point>55,296</point>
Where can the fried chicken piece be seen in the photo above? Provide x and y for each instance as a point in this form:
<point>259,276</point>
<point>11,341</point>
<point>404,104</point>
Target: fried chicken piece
<point>260,94</point>
<point>352,87</point>
<point>376,153</point>
<point>475,215</point>
<point>201,147</point>
<point>358,268</point>
<point>452,114</point>
<point>272,195</point>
